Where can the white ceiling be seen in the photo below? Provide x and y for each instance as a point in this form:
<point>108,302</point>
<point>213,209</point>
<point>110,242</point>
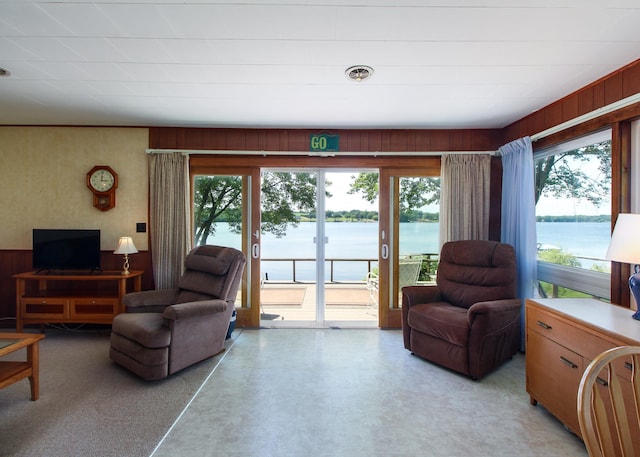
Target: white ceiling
<point>281,63</point>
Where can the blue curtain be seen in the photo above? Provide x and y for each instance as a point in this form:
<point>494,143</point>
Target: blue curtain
<point>518,213</point>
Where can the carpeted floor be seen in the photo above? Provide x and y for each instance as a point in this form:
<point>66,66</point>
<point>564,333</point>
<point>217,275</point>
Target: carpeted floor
<point>89,406</point>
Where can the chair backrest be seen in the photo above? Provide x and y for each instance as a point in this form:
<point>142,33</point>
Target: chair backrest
<point>408,272</point>
<point>608,403</point>
<point>472,271</point>
<point>211,272</point>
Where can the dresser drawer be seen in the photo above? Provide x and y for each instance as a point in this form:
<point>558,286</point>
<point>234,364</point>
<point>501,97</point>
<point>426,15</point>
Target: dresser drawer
<point>554,328</point>
<point>566,333</point>
<point>553,376</point>
<point>93,307</point>
<point>43,308</point>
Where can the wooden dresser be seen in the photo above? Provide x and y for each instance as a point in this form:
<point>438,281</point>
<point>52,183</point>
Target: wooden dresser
<point>562,337</point>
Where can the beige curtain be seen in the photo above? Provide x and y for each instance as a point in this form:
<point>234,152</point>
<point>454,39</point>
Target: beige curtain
<point>464,197</point>
<point>170,216</point>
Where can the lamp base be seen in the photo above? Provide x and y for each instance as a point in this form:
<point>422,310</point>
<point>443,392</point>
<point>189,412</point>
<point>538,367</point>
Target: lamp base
<point>634,285</point>
<point>125,266</point>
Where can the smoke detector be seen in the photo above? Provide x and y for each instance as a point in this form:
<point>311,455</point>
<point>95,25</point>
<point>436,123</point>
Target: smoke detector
<point>359,73</point>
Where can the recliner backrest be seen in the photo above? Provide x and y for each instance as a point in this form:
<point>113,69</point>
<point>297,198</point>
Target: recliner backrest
<point>210,272</point>
<point>472,271</point>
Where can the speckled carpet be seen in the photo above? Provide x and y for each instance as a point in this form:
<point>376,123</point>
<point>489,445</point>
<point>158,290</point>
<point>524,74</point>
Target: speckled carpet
<point>90,406</point>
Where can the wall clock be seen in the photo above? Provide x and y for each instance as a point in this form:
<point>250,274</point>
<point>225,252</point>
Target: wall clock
<point>103,182</point>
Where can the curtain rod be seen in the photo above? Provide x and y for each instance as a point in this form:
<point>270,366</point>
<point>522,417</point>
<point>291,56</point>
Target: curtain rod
<point>588,116</point>
<point>315,153</point>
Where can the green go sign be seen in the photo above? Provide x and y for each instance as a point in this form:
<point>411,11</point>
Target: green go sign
<point>324,143</point>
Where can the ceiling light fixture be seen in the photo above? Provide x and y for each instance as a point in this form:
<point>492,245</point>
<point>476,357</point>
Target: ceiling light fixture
<point>359,73</point>
<point>4,72</point>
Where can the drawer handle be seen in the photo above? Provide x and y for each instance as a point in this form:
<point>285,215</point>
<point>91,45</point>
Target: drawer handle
<point>601,381</point>
<point>543,325</point>
<point>628,366</point>
<point>568,362</point>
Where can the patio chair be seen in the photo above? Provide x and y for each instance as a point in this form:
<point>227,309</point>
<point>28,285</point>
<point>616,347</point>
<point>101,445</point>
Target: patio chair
<point>408,272</point>
<point>373,283</point>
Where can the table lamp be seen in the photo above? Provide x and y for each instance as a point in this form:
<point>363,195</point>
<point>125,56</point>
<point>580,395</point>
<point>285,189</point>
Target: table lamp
<point>126,247</point>
<point>625,247</point>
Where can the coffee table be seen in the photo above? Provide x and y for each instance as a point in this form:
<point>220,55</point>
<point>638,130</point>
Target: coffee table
<point>10,371</point>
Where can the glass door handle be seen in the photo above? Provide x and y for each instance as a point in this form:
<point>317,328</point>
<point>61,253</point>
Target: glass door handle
<point>385,251</point>
<point>255,250</point>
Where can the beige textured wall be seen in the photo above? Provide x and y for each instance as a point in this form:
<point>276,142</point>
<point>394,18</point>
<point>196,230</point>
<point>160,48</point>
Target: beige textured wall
<point>43,182</point>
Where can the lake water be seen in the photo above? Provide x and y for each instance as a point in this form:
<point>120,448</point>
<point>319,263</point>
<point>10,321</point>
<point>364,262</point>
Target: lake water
<point>360,240</point>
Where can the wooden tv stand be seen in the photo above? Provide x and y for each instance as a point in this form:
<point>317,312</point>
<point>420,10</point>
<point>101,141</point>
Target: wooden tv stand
<point>93,298</point>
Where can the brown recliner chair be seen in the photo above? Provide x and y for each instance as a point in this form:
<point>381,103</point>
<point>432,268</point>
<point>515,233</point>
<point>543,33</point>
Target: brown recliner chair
<point>164,331</point>
<point>470,320</point>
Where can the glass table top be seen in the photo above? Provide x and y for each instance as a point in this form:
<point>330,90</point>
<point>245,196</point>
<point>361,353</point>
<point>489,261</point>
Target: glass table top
<point>6,342</point>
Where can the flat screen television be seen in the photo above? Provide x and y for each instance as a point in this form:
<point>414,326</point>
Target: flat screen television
<point>66,249</point>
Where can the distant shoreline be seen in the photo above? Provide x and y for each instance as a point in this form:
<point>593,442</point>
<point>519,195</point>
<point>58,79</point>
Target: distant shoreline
<point>577,218</point>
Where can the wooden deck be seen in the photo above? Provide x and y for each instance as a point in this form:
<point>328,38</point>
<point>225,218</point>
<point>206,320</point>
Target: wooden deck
<point>285,303</point>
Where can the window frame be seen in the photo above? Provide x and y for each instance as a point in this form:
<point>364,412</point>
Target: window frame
<point>597,284</point>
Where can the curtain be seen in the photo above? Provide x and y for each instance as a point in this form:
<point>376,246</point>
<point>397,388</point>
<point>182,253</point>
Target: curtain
<point>464,197</point>
<point>518,213</point>
<point>170,216</point>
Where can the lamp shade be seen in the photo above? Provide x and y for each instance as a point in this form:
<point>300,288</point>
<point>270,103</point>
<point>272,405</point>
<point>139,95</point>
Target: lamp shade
<point>125,246</point>
<point>625,247</point>
<point>625,243</point>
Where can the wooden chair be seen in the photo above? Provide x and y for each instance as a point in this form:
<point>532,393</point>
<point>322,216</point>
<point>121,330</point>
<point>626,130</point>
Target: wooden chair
<point>608,403</point>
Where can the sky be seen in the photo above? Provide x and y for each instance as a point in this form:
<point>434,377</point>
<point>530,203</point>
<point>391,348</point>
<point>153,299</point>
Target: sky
<point>567,207</point>
<point>341,201</point>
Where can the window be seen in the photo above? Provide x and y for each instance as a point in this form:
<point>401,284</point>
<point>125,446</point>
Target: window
<point>573,216</point>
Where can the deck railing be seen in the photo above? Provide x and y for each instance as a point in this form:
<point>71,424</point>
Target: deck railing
<point>429,264</point>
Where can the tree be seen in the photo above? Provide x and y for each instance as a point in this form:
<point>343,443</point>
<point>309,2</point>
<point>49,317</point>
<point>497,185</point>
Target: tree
<point>561,176</point>
<point>213,197</point>
<point>219,199</point>
<point>415,192</point>
<point>284,194</point>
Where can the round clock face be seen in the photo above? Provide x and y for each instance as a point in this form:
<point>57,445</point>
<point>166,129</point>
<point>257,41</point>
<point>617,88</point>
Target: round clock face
<point>102,180</point>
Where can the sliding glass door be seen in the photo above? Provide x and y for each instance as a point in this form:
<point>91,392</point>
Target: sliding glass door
<point>409,233</point>
<point>331,239</point>
<point>319,243</point>
<point>222,215</point>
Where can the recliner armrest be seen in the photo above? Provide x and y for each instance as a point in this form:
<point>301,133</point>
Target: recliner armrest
<point>149,300</point>
<point>414,295</point>
<point>195,309</point>
<point>510,309</point>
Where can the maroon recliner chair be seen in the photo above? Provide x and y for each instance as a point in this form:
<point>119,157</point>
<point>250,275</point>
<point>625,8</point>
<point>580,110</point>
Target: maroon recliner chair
<point>164,331</point>
<point>469,321</point>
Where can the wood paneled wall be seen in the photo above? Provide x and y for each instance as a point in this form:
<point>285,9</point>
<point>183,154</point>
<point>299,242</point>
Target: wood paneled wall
<point>616,86</point>
<point>298,139</point>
